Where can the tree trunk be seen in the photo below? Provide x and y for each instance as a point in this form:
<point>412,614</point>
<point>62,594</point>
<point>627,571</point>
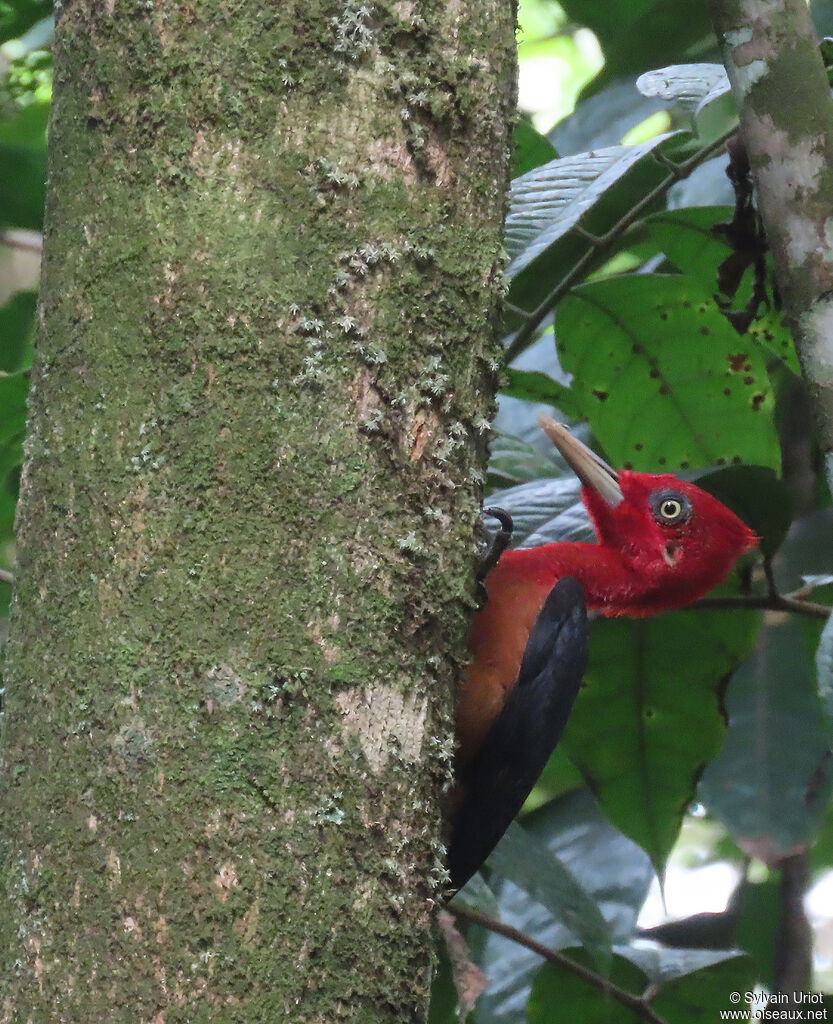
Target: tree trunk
<point>256,449</point>
<point>786,124</point>
<point>781,90</point>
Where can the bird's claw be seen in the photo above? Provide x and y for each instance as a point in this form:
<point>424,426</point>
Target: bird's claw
<point>500,541</point>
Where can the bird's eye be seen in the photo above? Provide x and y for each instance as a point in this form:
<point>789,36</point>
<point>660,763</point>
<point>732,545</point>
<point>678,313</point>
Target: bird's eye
<point>670,507</point>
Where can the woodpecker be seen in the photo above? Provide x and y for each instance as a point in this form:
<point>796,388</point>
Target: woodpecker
<point>661,544</point>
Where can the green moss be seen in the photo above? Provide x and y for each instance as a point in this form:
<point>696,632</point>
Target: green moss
<point>264,353</point>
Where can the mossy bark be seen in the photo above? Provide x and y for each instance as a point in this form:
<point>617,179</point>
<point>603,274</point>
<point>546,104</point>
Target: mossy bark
<point>265,366</point>
<point>782,93</point>
<point>786,124</point>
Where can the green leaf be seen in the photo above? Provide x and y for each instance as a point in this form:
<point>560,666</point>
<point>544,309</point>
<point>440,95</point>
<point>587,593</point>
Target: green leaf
<point>11,456</point>
<point>813,580</point>
<point>759,925</point>
<point>769,785</point>
<point>532,386</point>
<point>613,870</point>
<point>8,500</point>
<point>531,148</point>
<point>663,378</point>
<point>688,85</point>
<point>23,168</point>
<point>514,461</point>
<point>17,319</point>
<point>806,549</point>
<point>592,191</point>
<point>640,34</point>
<point>41,36</point>
<point>662,965</point>
<point>648,715</point>
<point>527,862</point>
<point>758,497</point>
<point>545,510</point>
<point>549,201</point>
<point>559,995</point>
<point>699,996</point>
<point>689,241</point>
<point>443,1005</point>
<point>13,391</point>
<point>700,89</point>
<point>27,127</point>
<point>477,894</point>
<point>691,988</point>
<point>559,777</point>
<point>18,17</point>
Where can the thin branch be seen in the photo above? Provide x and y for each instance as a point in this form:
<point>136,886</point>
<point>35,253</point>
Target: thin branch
<point>767,602</point>
<point>588,236</point>
<point>604,243</point>
<point>6,576</point>
<point>510,307</point>
<point>793,198</point>
<point>772,600</point>
<point>29,241</point>
<point>636,1003</point>
<point>769,576</point>
<point>793,953</point>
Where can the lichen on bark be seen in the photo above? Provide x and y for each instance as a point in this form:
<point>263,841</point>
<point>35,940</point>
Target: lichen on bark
<point>257,428</point>
<point>786,123</point>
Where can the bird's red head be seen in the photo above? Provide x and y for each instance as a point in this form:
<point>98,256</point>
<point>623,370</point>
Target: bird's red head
<point>672,540</point>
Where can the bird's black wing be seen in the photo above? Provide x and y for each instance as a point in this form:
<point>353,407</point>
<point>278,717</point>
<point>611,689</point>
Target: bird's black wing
<point>501,775</point>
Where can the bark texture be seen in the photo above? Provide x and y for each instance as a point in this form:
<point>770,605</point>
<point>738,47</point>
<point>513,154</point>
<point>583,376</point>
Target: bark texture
<point>257,426</point>
<point>786,123</point>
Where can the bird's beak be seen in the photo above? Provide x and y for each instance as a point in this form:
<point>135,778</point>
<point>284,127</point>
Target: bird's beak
<point>586,464</point>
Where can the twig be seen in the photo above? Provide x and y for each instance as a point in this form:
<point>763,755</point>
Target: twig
<point>793,953</point>
<point>6,576</point>
<point>510,307</point>
<point>636,1003</point>
<point>30,241</point>
<point>594,240</point>
<point>605,242</point>
<point>769,602</point>
<point>802,592</point>
<point>769,576</point>
<point>772,600</point>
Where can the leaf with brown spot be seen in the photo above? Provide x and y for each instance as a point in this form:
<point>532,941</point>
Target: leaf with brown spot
<point>689,240</point>
<point>619,343</point>
<point>533,386</point>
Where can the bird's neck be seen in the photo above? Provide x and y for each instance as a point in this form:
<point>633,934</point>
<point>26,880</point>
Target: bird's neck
<point>609,585</point>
